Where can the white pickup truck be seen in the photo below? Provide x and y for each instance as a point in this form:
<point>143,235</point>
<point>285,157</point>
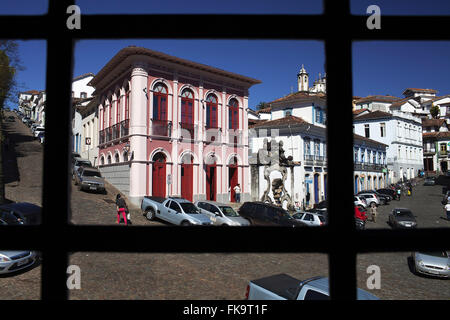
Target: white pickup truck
<point>174,210</point>
<point>285,287</point>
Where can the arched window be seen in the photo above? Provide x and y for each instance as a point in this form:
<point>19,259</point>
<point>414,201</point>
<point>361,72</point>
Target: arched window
<point>233,114</point>
<point>117,158</point>
<point>125,156</point>
<point>102,160</point>
<point>187,111</point>
<point>160,102</point>
<point>109,159</point>
<point>211,111</point>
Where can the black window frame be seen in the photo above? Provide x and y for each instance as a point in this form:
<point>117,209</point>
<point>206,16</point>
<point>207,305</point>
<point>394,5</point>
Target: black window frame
<point>336,26</point>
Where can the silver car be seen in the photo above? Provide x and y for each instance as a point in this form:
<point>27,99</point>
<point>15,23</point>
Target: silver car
<point>11,261</point>
<point>221,214</point>
<point>310,219</point>
<point>90,179</point>
<point>23,213</point>
<point>432,263</point>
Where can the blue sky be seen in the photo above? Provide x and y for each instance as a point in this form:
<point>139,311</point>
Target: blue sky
<point>378,67</point>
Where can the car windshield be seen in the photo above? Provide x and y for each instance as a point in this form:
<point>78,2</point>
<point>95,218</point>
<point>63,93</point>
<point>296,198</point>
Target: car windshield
<point>84,163</point>
<point>403,213</point>
<point>297,215</point>
<point>440,254</point>
<point>189,208</point>
<point>229,211</point>
<point>92,174</point>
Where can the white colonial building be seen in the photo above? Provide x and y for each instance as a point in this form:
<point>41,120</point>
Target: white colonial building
<point>81,94</point>
<point>402,133</point>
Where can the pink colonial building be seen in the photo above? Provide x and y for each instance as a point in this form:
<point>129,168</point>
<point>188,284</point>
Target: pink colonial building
<point>172,127</point>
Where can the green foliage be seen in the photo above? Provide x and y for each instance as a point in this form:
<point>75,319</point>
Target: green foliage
<point>435,111</point>
<point>9,66</point>
<point>262,105</point>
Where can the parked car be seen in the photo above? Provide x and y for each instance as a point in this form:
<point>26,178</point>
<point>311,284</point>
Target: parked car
<point>360,214</point>
<point>310,219</point>
<point>429,181</point>
<point>221,214</point>
<point>389,192</point>
<point>174,210</point>
<point>37,130</point>
<point>79,162</point>
<point>265,214</point>
<point>370,198</point>
<point>285,287</point>
<point>41,136</point>
<point>360,202</point>
<point>360,224</point>
<point>432,263</point>
<point>18,214</point>
<point>402,218</point>
<point>382,198</point>
<point>90,179</point>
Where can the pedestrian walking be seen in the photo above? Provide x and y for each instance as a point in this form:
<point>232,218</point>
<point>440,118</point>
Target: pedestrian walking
<point>122,209</point>
<point>447,210</point>
<point>373,211</point>
<point>399,194</point>
<point>237,193</point>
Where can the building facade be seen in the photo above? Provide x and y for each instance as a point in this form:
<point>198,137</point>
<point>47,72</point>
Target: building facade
<point>402,133</point>
<point>172,127</point>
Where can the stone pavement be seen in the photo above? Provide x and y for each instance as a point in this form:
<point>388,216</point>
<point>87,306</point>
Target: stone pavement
<point>196,276</point>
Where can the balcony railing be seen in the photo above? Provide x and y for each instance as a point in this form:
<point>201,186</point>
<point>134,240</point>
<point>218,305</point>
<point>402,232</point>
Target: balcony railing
<point>161,128</point>
<point>124,128</point>
<point>309,159</point>
<point>213,135</point>
<point>188,131</point>
<point>235,137</point>
<point>114,132</point>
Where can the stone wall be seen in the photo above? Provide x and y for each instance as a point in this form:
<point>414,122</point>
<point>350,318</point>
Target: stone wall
<point>118,176</point>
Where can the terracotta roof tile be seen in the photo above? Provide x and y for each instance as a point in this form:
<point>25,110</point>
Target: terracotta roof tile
<point>300,95</point>
<point>436,135</point>
<point>420,90</point>
<point>374,115</point>
<point>288,120</point>
<point>356,112</point>
<point>264,110</point>
<point>379,98</point>
<point>432,122</point>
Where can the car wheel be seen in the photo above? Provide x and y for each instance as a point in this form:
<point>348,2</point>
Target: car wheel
<point>150,214</point>
<point>249,221</point>
<point>185,224</point>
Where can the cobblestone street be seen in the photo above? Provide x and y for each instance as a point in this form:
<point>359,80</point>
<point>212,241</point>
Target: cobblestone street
<point>197,276</point>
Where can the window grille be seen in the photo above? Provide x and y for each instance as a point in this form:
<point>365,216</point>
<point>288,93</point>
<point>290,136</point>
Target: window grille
<point>336,26</point>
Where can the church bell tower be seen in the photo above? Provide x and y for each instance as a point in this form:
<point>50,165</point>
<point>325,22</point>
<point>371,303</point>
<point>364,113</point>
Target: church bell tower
<point>303,80</point>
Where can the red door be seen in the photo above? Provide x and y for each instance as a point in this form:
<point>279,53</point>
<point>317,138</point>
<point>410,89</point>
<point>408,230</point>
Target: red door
<point>233,178</point>
<point>211,182</point>
<point>159,176</point>
<point>187,181</point>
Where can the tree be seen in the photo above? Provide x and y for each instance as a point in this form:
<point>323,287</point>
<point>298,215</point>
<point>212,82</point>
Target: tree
<point>9,63</point>
<point>262,105</point>
<point>435,111</point>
